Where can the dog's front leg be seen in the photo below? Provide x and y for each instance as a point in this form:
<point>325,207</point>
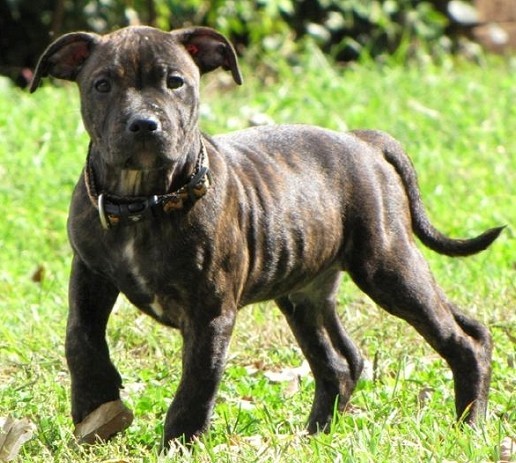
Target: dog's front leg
<point>95,381</point>
<point>205,343</point>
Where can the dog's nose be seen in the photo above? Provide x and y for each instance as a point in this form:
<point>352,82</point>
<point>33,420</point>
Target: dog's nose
<point>143,125</point>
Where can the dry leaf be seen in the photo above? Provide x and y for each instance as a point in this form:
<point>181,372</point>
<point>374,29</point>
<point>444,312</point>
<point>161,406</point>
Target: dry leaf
<point>39,274</point>
<point>133,388</point>
<point>424,396</point>
<point>368,373</point>
<point>13,434</point>
<point>246,403</point>
<point>288,374</point>
<point>255,367</point>
<point>507,449</point>
<point>254,441</point>
<point>282,376</point>
<point>293,387</point>
<point>104,422</point>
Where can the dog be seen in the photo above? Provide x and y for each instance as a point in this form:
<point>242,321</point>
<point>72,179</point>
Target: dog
<point>192,228</point>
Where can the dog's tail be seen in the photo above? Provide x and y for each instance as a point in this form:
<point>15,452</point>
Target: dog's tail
<point>424,230</point>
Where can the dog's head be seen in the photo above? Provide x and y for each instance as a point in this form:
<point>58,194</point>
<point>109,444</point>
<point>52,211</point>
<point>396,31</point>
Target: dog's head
<point>139,87</point>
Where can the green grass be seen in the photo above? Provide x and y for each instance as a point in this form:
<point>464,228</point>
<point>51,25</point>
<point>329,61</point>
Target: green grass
<point>457,122</point>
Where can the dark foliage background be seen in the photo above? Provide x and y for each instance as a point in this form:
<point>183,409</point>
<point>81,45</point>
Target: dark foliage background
<point>345,29</point>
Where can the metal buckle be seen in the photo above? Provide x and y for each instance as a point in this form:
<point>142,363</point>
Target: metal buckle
<point>104,221</point>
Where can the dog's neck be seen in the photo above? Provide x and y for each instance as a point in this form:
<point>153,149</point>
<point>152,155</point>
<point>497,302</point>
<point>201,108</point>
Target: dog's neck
<point>125,197</point>
<point>142,182</point>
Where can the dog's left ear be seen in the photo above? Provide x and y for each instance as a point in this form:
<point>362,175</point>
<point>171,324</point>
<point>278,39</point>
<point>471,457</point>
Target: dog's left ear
<point>210,50</point>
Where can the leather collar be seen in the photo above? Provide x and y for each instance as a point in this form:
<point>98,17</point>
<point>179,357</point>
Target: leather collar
<point>126,210</point>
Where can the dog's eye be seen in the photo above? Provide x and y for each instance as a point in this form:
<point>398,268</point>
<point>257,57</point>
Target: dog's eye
<point>174,82</point>
<point>103,86</point>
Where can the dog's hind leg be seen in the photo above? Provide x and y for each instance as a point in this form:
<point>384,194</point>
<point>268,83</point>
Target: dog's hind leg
<point>396,276</point>
<point>334,360</point>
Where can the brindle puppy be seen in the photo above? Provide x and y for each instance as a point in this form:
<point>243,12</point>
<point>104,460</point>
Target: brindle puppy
<point>192,228</point>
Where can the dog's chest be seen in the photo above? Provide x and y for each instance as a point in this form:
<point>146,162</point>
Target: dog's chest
<point>136,275</point>
<point>142,273</point>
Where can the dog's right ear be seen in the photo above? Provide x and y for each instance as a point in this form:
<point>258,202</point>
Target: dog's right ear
<point>64,57</point>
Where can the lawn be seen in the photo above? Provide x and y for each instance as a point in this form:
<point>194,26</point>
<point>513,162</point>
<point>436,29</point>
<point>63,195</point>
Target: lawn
<point>457,120</point>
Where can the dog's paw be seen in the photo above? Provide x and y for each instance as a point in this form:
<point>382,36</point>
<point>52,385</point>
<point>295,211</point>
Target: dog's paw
<point>104,422</point>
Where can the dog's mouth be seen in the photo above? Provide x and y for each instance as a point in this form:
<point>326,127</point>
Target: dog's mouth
<point>145,153</point>
<point>145,161</point>
<point>140,156</point>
